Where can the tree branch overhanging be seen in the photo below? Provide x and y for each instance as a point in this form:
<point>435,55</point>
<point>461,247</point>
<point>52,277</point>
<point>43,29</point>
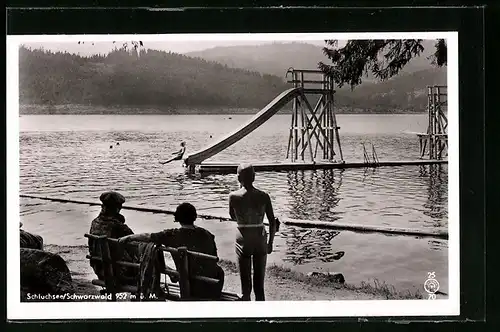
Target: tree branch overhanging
<point>384,58</point>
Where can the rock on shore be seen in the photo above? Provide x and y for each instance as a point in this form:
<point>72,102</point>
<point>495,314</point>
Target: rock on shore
<point>43,272</point>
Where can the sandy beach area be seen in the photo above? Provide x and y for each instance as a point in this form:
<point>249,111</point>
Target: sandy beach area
<point>281,284</point>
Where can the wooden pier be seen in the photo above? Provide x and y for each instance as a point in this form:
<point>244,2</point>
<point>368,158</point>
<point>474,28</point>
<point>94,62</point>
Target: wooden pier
<point>228,168</point>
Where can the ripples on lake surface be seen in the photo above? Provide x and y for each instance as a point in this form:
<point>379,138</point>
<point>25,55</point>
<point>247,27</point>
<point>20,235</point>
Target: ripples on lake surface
<point>70,156</point>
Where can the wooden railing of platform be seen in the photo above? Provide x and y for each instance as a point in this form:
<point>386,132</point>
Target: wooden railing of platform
<point>313,128</point>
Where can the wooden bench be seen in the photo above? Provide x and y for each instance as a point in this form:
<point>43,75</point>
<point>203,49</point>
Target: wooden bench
<point>174,292</point>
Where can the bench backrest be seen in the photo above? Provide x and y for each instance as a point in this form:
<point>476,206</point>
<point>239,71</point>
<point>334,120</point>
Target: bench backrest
<point>182,272</point>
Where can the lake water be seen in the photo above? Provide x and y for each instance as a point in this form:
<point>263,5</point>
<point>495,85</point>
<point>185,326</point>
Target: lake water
<point>70,156</point>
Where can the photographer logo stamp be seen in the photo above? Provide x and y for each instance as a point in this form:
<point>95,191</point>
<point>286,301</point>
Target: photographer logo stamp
<point>431,285</point>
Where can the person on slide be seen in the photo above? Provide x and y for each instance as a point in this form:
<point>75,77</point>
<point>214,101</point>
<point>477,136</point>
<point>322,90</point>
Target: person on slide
<point>178,154</point>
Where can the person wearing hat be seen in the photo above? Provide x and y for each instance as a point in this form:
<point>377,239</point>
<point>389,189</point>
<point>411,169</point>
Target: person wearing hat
<point>195,239</point>
<point>111,223</point>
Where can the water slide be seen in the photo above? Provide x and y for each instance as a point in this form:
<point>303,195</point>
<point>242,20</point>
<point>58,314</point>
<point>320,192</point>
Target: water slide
<point>272,108</point>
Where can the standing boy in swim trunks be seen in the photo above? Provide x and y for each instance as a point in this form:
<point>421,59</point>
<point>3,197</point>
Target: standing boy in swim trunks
<point>247,206</point>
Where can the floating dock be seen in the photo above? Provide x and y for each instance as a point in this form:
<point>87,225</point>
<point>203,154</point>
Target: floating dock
<point>221,167</point>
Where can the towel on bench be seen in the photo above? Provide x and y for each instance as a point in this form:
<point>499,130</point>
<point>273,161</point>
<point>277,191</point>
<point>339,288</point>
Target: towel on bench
<point>151,266</point>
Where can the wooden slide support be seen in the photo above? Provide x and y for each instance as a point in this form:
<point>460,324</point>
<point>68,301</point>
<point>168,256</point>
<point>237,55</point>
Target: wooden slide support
<point>286,221</point>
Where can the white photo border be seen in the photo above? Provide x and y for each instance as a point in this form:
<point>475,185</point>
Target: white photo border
<point>17,310</point>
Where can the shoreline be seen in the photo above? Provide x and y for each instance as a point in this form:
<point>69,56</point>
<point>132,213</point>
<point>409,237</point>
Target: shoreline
<point>77,109</point>
<point>281,284</point>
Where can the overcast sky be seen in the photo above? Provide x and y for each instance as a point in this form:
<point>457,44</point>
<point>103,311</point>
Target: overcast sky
<point>88,47</point>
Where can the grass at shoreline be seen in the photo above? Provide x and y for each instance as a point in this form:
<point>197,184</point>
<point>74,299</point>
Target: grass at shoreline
<point>376,288</point>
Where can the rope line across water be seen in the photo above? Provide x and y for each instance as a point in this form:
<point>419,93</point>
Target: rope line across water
<point>285,221</point>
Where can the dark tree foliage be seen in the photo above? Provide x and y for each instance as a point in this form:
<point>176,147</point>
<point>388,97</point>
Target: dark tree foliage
<point>384,58</point>
<point>441,54</point>
<point>134,44</point>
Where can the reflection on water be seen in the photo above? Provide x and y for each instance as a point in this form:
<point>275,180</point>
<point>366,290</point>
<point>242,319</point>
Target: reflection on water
<point>308,245</point>
<point>314,197</point>
<point>438,245</point>
<point>314,194</point>
<point>436,191</point>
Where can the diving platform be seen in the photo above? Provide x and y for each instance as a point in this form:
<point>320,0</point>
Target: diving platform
<point>314,138</point>
<point>313,131</point>
<point>434,142</point>
<point>228,168</point>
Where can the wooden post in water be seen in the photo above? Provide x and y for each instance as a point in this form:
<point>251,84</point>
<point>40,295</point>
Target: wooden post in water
<point>303,122</point>
<point>290,139</point>
<point>295,125</point>
<point>336,128</point>
<point>326,118</point>
<point>332,124</point>
<point>430,130</point>
<point>302,132</point>
<point>436,137</point>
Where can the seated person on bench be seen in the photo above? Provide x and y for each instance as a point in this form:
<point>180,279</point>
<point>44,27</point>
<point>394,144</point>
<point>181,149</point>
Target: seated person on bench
<point>195,239</point>
<point>111,223</point>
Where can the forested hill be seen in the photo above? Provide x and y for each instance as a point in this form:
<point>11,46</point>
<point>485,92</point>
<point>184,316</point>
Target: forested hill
<point>149,78</point>
<point>160,82</point>
<point>265,58</point>
<point>406,91</point>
